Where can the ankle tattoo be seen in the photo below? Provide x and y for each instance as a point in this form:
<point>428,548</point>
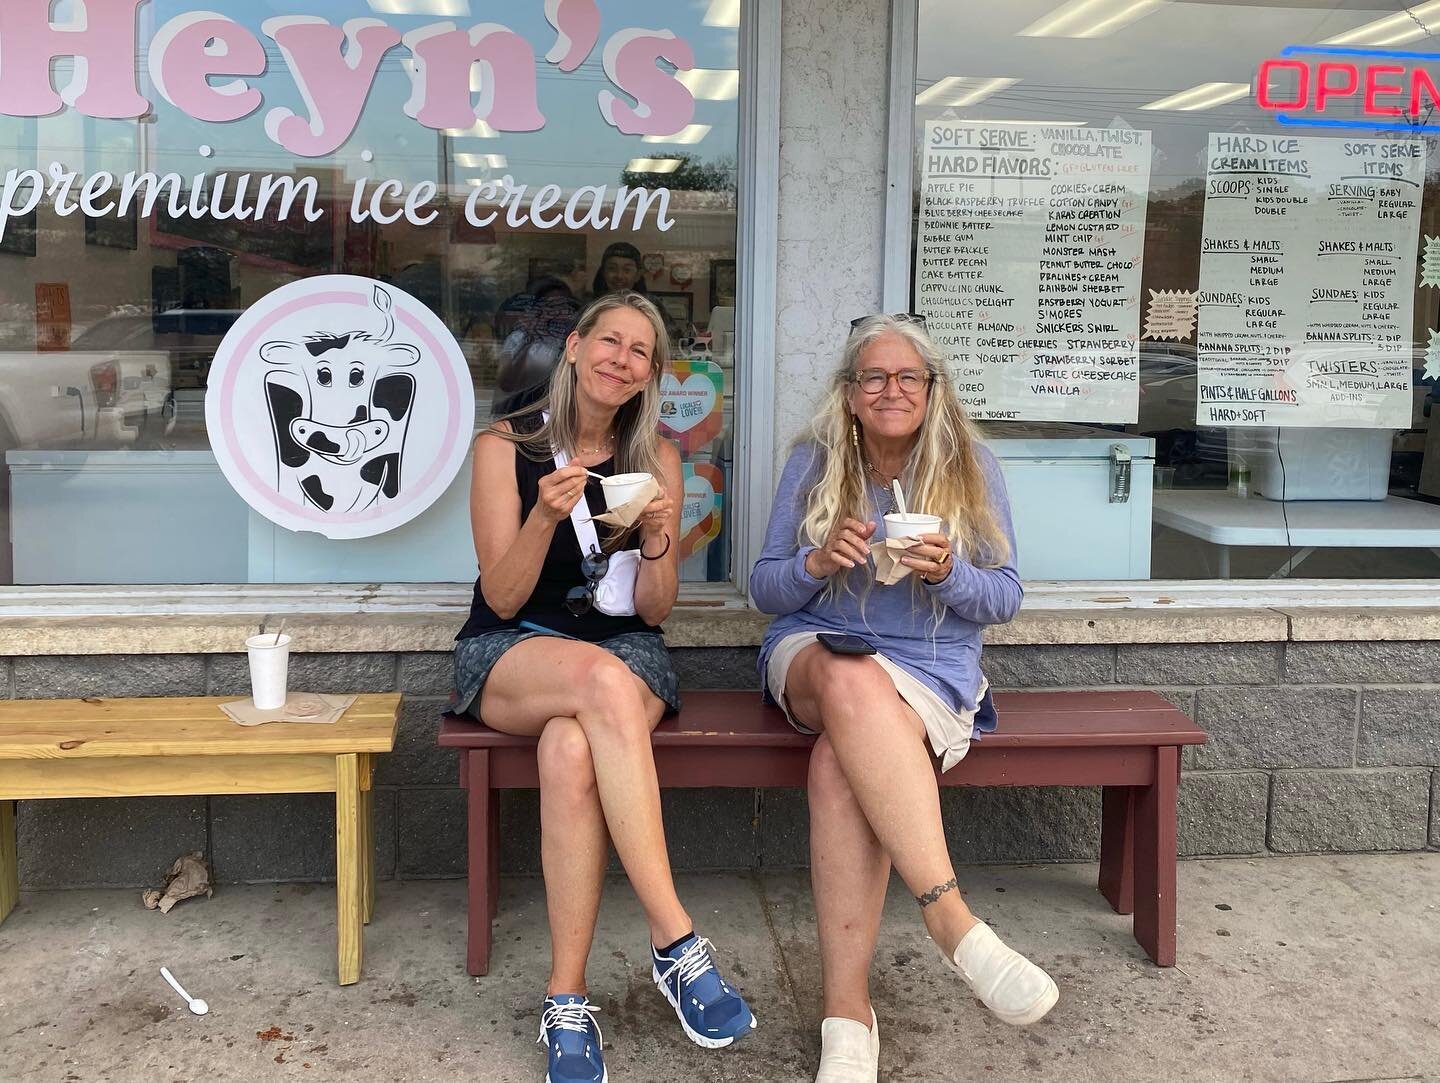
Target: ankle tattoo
<point>935,892</point>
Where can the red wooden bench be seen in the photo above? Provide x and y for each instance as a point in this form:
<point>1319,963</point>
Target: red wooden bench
<point>1127,742</point>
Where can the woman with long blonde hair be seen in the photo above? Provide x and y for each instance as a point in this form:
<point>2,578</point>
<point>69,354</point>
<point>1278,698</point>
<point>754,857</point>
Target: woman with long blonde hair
<point>877,668</point>
<point>563,643</point>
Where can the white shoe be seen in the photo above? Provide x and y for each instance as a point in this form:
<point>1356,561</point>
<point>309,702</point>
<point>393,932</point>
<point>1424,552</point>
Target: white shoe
<point>849,1053</point>
<point>1009,984</point>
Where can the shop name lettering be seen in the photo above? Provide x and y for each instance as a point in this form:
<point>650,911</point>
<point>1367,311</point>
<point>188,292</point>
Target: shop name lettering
<point>1335,87</point>
<point>333,69</point>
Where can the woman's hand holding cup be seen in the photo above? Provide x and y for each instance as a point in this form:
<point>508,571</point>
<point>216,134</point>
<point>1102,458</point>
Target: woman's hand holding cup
<point>655,518</point>
<point>560,491</point>
<point>848,547</point>
<point>930,558</point>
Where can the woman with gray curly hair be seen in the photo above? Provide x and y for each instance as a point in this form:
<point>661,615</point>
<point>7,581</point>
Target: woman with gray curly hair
<point>891,415</point>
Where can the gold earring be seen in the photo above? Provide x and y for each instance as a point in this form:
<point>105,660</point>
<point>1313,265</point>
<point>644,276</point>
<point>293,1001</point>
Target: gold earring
<point>854,432</point>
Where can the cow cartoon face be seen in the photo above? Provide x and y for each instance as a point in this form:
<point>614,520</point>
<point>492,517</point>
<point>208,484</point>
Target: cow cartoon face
<point>340,405</point>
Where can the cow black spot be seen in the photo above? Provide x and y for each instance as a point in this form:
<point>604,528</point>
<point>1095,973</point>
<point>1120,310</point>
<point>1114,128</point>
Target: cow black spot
<point>285,406</point>
<point>394,394</point>
<point>386,467</point>
<point>326,343</point>
<point>361,414</point>
<point>318,441</point>
<point>317,494</point>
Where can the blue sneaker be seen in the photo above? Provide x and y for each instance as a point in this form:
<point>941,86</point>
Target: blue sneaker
<point>713,1014</point>
<point>572,1040</point>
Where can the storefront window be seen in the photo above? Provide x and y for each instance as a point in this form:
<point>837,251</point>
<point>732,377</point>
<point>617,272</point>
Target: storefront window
<point>502,164</point>
<point>1185,257</point>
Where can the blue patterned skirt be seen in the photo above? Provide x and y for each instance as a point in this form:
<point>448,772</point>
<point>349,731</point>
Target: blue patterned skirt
<point>644,653</point>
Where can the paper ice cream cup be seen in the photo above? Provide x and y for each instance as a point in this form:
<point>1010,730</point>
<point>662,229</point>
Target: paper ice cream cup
<point>910,525</point>
<point>623,488</point>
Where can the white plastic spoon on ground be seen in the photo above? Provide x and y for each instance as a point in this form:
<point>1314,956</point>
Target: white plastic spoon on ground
<point>198,1006</point>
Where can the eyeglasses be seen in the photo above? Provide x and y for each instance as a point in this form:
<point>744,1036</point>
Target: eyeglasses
<point>593,566</point>
<point>875,381</point>
<point>900,317</point>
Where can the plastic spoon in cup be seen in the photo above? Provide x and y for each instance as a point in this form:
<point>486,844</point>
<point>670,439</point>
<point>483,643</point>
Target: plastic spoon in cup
<point>899,497</point>
<point>198,1006</point>
<point>278,628</point>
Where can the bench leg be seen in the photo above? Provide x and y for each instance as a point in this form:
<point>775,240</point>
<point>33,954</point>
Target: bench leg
<point>367,838</point>
<point>494,870</point>
<point>9,860</point>
<point>348,874</point>
<point>480,837</point>
<point>1155,859</point>
<point>1117,848</point>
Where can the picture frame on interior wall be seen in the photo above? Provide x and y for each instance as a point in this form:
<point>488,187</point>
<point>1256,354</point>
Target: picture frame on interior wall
<point>19,239</point>
<point>680,307</point>
<point>722,283</point>
<point>105,232</point>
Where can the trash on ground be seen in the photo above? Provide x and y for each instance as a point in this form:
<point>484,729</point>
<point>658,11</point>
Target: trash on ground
<point>188,877</point>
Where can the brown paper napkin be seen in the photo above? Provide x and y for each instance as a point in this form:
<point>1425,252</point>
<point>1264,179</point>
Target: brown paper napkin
<point>887,554</point>
<point>299,707</point>
<point>625,515</point>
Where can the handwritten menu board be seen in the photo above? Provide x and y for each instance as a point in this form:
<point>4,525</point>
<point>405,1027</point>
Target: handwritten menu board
<point>1307,281</point>
<point>1027,265</point>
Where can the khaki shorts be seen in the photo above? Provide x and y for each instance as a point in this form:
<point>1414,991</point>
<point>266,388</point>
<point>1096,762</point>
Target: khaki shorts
<point>949,731</point>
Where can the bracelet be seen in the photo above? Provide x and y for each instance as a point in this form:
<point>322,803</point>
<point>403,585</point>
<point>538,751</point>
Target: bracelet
<point>658,555</point>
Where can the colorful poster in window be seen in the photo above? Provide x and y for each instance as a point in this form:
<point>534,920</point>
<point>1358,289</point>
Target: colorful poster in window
<point>1027,265</point>
<point>1307,281</point>
<point>702,510</point>
<point>339,405</point>
<point>692,401</point>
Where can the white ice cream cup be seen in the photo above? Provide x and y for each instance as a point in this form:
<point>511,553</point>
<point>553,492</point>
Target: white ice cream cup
<point>269,668</point>
<point>622,488</point>
<point>911,525</point>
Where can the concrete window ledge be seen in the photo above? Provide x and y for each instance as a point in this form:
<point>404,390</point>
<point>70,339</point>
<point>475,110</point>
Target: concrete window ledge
<point>424,617</point>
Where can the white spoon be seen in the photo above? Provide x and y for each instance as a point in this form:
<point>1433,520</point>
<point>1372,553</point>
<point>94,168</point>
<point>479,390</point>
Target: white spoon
<point>899,497</point>
<point>198,1006</point>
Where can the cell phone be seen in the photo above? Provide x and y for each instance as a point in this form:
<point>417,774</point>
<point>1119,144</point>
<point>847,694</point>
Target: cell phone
<point>843,644</point>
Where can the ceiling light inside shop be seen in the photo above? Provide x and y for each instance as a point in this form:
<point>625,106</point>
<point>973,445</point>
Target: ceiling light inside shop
<point>1408,25</point>
<point>711,84</point>
<point>653,165</point>
<point>961,90</point>
<point>1045,123</point>
<point>480,130</point>
<point>1204,96</point>
<point>691,133</point>
<point>421,7</point>
<point>1090,18</point>
<point>479,161</point>
<point>723,13</point>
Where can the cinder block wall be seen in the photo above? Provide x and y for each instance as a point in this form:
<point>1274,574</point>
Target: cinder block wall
<point>1315,747</point>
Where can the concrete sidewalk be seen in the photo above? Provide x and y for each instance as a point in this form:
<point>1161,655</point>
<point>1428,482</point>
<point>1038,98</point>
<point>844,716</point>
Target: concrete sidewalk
<point>1303,969</point>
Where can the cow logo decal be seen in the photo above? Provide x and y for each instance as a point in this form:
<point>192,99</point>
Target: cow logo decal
<point>340,405</point>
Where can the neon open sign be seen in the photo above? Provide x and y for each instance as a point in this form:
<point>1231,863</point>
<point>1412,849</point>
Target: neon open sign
<point>1374,89</point>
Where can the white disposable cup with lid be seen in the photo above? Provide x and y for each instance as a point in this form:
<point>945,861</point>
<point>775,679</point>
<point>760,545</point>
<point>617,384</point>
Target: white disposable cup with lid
<point>622,488</point>
<point>269,669</point>
<point>910,525</point>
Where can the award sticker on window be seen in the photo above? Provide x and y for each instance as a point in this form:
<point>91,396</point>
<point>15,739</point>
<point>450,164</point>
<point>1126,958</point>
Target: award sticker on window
<point>340,405</point>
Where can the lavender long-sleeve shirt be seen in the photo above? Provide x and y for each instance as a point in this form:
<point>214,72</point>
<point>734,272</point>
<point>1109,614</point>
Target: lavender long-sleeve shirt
<point>947,657</point>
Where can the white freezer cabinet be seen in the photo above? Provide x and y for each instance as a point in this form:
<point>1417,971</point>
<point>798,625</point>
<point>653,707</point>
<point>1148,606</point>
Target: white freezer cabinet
<point>1081,498</point>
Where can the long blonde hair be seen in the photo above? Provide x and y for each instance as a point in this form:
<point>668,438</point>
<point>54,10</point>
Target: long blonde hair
<point>637,423</point>
<point>946,477</point>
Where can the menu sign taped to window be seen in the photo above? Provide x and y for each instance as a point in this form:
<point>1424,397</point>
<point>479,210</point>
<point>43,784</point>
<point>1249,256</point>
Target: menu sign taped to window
<point>1307,281</point>
<point>1027,265</point>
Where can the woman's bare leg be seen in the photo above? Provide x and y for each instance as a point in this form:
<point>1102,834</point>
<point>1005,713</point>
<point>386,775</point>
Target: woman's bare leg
<point>849,872</point>
<point>546,678</point>
<point>879,743</point>
<point>573,848</point>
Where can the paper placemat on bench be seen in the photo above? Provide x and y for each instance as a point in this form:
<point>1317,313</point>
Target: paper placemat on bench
<point>299,707</point>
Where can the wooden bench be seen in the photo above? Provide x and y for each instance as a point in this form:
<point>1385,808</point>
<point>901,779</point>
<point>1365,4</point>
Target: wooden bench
<point>186,747</point>
<point>1127,742</point>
